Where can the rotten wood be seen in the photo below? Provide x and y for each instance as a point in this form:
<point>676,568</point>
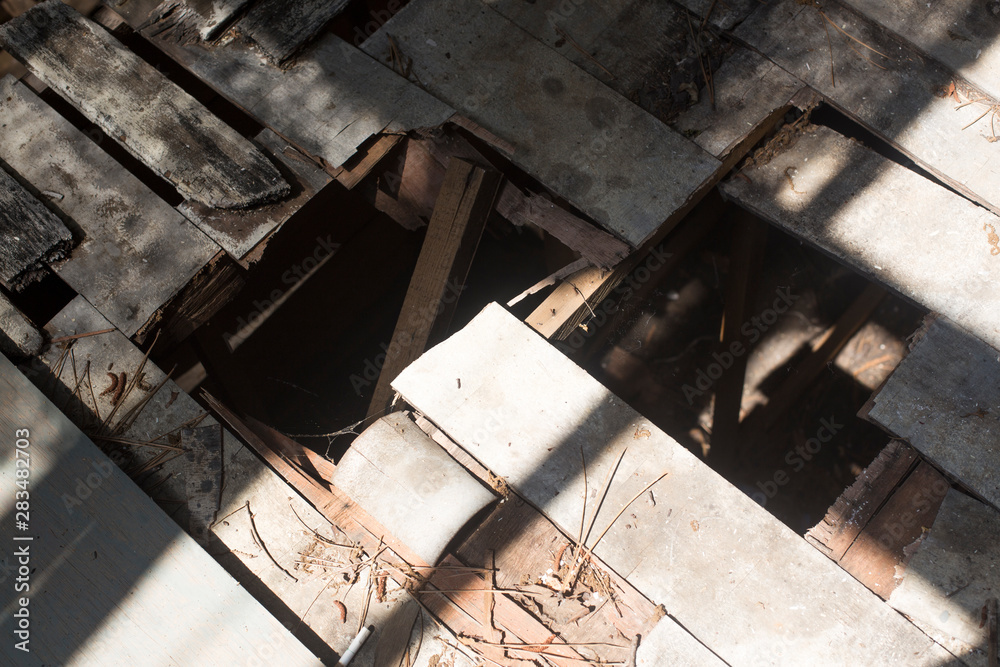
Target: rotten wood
<point>138,107</point>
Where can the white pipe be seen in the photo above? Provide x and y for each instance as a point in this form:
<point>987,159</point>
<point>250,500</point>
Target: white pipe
<point>354,647</point>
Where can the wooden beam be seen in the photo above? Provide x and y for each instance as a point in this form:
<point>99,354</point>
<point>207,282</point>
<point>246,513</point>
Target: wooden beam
<point>358,167</point>
<point>460,214</point>
<point>30,235</point>
<point>746,257</point>
<point>760,421</point>
<point>281,28</point>
<point>138,107</point>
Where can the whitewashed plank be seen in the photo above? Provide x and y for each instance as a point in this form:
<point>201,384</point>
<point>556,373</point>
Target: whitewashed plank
<point>930,244</point>
<point>113,580</point>
<point>607,157</point>
<point>138,107</point>
<point>944,398</point>
<point>732,575</point>
<point>136,252</point>
<point>900,98</point>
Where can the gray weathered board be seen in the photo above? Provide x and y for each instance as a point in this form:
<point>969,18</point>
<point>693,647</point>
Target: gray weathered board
<point>929,244</point>
<point>407,483</point>
<point>280,28</point>
<point>900,98</point>
<point>961,35</point>
<point>30,234</point>
<point>944,398</point>
<point>606,156</point>
<point>278,511</point>
<point>18,336</point>
<point>138,107</point>
<point>956,567</point>
<point>732,575</point>
<point>207,18</point>
<point>327,104</point>
<point>625,44</point>
<point>113,580</point>
<point>136,252</point>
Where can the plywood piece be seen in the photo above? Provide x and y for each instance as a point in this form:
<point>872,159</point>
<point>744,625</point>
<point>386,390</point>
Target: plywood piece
<point>944,398</point>
<point>138,107</point>
<point>750,90</point>
<point>954,571</point>
<point>18,336</point>
<point>136,251</point>
<point>410,485</point>
<point>30,235</point>
<point>280,28</point>
<point>582,140</point>
<point>733,576</point>
<point>827,190</point>
<point>900,98</point>
<point>115,582</point>
<point>960,35</point>
<point>329,102</point>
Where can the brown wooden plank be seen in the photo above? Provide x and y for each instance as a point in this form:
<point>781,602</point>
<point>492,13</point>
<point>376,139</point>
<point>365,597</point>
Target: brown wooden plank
<point>855,507</point>
<point>141,109</point>
<point>30,235</point>
<point>460,214</point>
<point>358,167</point>
<point>879,549</point>
<point>281,28</point>
<point>745,260</point>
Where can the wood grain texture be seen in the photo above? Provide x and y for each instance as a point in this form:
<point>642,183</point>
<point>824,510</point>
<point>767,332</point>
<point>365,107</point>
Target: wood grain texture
<point>136,251</point>
<point>30,235</point>
<point>527,412</point>
<point>827,190</point>
<point>944,398</point>
<point>953,572</point>
<point>138,107</point>
<point>855,507</point>
<point>280,28</point>
<point>463,205</point>
<point>190,19</point>
<point>18,336</point>
<point>900,97</point>
<point>329,102</point>
<point>113,584</point>
<point>610,159</point>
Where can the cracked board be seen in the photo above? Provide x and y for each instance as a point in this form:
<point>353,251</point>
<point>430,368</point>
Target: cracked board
<point>138,107</point>
<point>827,189</point>
<point>944,398</point>
<point>529,414</point>
<point>30,235</point>
<point>136,251</point>
<point>902,98</point>
<point>111,587</point>
<point>606,156</point>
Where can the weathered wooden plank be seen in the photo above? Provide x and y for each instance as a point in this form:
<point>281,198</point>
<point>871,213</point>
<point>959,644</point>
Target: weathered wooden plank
<point>136,251</point>
<point>530,415</point>
<point>280,28</point>
<point>899,97</point>
<point>944,398</point>
<point>183,19</point>
<point>586,143</point>
<point>725,14</point>
<point>879,552</point>
<point>955,570</point>
<point>113,585</point>
<point>960,35</point>
<point>827,190</point>
<point>460,213</point>
<point>18,336</point>
<point>138,107</point>
<point>855,507</point>
<point>30,235</point>
<point>203,473</point>
<point>410,485</point>
<point>327,104</point>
